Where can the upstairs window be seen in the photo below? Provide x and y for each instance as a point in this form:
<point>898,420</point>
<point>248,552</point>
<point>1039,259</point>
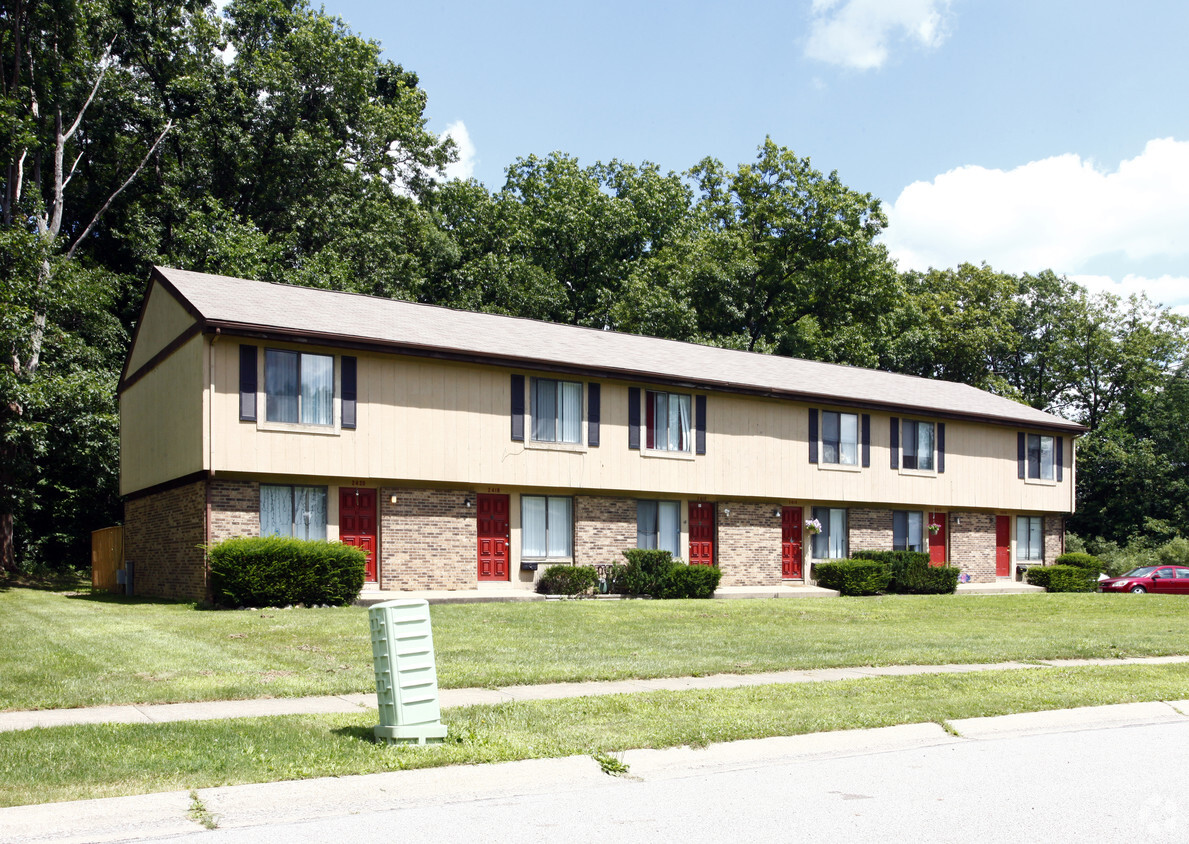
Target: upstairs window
<point>556,407</point>
<point>298,387</point>
<point>918,445</point>
<point>840,438</point>
<point>1040,457</point>
<point>667,418</point>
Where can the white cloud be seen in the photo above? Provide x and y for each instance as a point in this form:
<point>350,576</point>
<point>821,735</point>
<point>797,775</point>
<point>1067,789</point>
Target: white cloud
<point>464,167</point>
<point>857,33</point>
<point>1167,289</point>
<point>1060,213</point>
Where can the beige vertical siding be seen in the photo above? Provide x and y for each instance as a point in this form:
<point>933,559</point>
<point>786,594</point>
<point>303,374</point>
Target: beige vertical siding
<point>164,320</point>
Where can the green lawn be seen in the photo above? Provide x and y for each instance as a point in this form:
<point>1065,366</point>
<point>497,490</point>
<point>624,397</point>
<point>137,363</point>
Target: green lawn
<point>63,650</point>
<point>70,763</point>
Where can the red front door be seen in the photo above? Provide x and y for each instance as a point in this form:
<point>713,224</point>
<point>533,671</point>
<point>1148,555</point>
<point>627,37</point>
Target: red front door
<point>357,525</point>
<point>493,537</point>
<point>701,533</point>
<point>1003,546</point>
<point>790,542</point>
<point>937,540</point>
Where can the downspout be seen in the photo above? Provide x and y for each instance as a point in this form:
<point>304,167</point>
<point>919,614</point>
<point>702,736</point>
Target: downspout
<point>210,464</point>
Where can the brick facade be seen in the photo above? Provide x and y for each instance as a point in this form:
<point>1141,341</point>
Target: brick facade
<point>428,539</point>
<point>604,527</point>
<point>235,509</point>
<point>870,530</point>
<point>748,544</point>
<point>972,545</point>
<point>1054,538</point>
<point>162,535</point>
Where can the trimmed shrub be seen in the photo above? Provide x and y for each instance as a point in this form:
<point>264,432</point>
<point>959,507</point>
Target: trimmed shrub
<point>1081,560</point>
<point>276,571</point>
<point>568,580</point>
<point>645,570</point>
<point>1038,575</point>
<point>854,577</point>
<point>1071,579</point>
<point>684,581</point>
<point>912,574</point>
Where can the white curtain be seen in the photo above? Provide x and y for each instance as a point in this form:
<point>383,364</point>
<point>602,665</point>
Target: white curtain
<point>309,512</point>
<point>280,386</point>
<point>646,518</point>
<point>544,410</point>
<point>849,423</point>
<point>679,437</point>
<point>915,533</point>
<point>1046,457</point>
<point>533,519</point>
<point>830,437</point>
<point>669,527</point>
<point>925,445</point>
<point>559,543</point>
<point>571,412</point>
<point>317,389</point>
<point>837,534</point>
<point>276,510</point>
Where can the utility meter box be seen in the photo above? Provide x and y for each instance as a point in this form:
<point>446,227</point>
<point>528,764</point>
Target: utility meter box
<point>406,674</point>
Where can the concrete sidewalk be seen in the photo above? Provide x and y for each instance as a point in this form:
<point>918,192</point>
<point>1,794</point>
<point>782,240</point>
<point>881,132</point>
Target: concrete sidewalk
<point>212,710</point>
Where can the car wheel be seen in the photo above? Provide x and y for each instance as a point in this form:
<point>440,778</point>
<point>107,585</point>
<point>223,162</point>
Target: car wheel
<point>1138,589</point>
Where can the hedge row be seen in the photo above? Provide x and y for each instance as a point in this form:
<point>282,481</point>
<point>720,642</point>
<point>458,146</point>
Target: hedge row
<point>1063,578</point>
<point>911,572</point>
<point>275,571</point>
<point>648,572</point>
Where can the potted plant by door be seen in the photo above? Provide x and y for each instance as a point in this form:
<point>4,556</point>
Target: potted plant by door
<point>813,527</point>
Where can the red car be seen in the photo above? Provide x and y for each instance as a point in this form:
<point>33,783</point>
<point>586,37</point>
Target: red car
<point>1171,579</point>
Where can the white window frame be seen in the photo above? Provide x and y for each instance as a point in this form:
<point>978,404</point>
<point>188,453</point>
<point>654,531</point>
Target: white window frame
<point>299,523</point>
<point>844,451</point>
<point>1030,539</point>
<point>914,526</point>
<point>834,539</point>
<point>656,539</point>
<point>271,405</point>
<point>557,420</point>
<point>653,400</point>
<point>1040,466</point>
<point>557,524</point>
<point>912,445</point>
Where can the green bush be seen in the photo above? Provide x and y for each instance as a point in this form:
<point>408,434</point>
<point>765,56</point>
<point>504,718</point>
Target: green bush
<point>645,570</point>
<point>568,580</point>
<point>1038,575</point>
<point>684,581</point>
<point>1063,578</point>
<point>912,574</point>
<point>854,577</point>
<point>1175,552</point>
<point>1081,560</point>
<point>275,571</point>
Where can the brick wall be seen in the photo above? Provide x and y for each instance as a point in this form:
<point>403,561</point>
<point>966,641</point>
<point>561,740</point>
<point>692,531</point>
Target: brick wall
<point>428,540</point>
<point>604,527</point>
<point>972,545</point>
<point>870,530</point>
<point>1054,531</point>
<point>235,509</point>
<point>162,535</point>
<point>748,544</point>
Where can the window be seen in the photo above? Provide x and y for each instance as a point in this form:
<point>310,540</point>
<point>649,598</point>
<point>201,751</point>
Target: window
<point>907,533</point>
<point>297,511</point>
<point>668,421</point>
<point>918,445</point>
<point>1040,457</point>
<point>298,387</point>
<point>840,438</point>
<point>658,525</point>
<point>556,407</point>
<point>830,543</point>
<point>546,527</point>
<point>1030,543</point>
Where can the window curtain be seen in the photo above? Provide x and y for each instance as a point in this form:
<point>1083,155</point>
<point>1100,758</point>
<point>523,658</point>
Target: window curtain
<point>906,530</point>
<point>669,527</point>
<point>924,445</point>
<point>276,510</point>
<point>544,410</point>
<point>679,434</point>
<point>821,540</point>
<point>559,521</point>
<point>571,411</point>
<point>280,386</point>
<point>849,425</point>
<point>309,512</point>
<point>1046,458</point>
<point>533,520</point>
<point>646,518</point>
<point>830,438</point>
<point>317,389</point>
<point>660,421</point>
<point>916,540</point>
<point>1029,538</point>
<point>837,541</point>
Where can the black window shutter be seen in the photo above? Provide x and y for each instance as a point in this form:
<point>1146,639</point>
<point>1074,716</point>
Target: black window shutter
<point>1060,456</point>
<point>812,435</point>
<point>593,408</point>
<point>866,435</point>
<point>895,442</point>
<point>940,447</point>
<point>247,383</point>
<point>1021,454</point>
<point>518,408</point>
<point>700,424</point>
<point>634,418</point>
<point>348,387</point>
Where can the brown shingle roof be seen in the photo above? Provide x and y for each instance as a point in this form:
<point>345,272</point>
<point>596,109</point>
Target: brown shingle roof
<point>239,304</point>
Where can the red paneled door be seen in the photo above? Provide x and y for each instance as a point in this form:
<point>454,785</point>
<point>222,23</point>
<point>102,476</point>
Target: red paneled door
<point>493,537</point>
<point>701,533</point>
<point>357,524</point>
<point>1003,546</point>
<point>937,540</point>
<point>790,542</point>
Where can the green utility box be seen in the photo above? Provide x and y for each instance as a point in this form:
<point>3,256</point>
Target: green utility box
<point>406,675</point>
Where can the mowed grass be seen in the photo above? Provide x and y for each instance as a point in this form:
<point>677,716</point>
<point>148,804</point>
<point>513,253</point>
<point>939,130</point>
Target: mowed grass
<point>69,763</point>
<point>66,650</point>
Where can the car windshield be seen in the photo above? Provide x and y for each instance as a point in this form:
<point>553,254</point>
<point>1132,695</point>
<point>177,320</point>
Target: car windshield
<point>1142,571</point>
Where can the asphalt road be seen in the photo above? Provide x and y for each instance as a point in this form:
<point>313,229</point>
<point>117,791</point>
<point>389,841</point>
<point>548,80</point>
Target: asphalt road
<point>1100,784</point>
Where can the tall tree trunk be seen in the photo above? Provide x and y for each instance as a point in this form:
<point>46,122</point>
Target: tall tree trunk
<point>7,554</point>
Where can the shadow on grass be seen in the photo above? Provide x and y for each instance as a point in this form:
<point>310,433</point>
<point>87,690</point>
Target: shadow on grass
<point>130,600</point>
<point>361,733</point>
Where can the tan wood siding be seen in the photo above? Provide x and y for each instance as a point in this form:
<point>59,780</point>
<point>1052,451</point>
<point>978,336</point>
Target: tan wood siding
<point>164,320</point>
<point>161,421</point>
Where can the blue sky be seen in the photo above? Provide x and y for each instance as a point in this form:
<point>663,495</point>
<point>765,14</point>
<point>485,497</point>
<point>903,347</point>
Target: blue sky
<point>1031,135</point>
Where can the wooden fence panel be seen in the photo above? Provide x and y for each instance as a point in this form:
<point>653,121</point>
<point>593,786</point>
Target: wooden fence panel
<point>107,557</point>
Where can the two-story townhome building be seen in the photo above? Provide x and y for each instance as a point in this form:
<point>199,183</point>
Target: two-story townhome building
<point>463,450</point>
